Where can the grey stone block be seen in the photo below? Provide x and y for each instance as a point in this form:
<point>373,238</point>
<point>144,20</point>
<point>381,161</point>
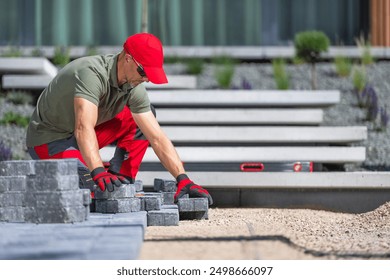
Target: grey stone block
<point>193,204</point>
<point>149,203</point>
<point>43,215</point>
<point>12,199</point>
<point>55,199</point>
<point>124,205</point>
<point>170,206</point>
<point>57,183</point>
<point>169,197</point>
<point>124,191</point>
<point>12,183</point>
<point>163,217</point>
<point>162,185</point>
<point>12,214</point>
<point>87,198</point>
<point>17,167</point>
<point>87,212</point>
<point>139,186</point>
<point>54,167</point>
<point>193,208</point>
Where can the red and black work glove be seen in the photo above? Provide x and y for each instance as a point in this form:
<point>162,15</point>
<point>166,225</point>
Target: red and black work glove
<point>186,186</point>
<point>106,180</point>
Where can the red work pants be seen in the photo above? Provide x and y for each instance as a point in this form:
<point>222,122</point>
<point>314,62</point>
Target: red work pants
<point>122,130</point>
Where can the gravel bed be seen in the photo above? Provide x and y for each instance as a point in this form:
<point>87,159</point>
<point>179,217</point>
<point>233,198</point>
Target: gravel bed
<point>260,76</point>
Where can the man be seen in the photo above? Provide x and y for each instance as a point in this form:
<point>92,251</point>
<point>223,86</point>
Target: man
<point>99,100</point>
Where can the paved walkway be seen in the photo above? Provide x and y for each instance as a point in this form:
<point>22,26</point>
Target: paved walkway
<point>103,236</point>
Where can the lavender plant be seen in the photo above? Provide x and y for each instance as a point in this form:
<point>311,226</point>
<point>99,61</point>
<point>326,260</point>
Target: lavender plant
<point>5,152</point>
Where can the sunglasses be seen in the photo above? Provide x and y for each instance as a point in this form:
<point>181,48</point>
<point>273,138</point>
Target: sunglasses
<point>140,69</point>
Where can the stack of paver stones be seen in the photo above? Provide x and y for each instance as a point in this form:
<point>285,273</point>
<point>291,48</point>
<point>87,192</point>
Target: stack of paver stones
<point>47,191</point>
<point>42,192</point>
<point>159,203</point>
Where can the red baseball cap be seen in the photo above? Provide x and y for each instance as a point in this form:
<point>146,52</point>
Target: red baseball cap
<point>147,50</point>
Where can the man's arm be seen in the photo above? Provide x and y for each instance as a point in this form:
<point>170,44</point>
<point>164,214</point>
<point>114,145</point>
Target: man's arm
<point>160,143</point>
<point>86,114</point>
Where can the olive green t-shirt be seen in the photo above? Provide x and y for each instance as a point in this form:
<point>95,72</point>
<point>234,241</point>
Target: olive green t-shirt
<point>93,78</point>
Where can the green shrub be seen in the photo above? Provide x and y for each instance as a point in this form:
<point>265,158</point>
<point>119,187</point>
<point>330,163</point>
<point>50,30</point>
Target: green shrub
<point>359,80</point>
<point>172,59</point>
<point>37,53</point>
<point>91,50</point>
<point>15,119</point>
<point>224,74</point>
<point>308,46</point>
<point>61,56</point>
<point>12,52</point>
<point>223,60</point>
<point>343,66</point>
<point>195,66</point>
<point>280,75</point>
<point>366,57</point>
<point>19,97</point>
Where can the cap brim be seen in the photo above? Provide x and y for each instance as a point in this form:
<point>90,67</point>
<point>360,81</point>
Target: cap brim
<point>156,75</point>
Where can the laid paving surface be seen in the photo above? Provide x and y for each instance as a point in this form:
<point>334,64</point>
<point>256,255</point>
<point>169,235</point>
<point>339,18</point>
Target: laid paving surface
<point>102,236</point>
<point>264,233</point>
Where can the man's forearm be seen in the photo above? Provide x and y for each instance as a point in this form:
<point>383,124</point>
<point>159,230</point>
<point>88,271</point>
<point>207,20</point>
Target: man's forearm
<point>168,156</point>
<point>89,148</point>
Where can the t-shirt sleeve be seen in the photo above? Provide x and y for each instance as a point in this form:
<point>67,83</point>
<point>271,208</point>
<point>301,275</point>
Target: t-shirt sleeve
<point>139,100</point>
<point>88,85</point>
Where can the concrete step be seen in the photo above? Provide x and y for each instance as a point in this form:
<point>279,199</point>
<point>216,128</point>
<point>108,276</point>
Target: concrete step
<point>256,154</point>
<point>40,81</point>
<point>27,65</point>
<point>33,82</point>
<point>175,82</point>
<point>244,98</point>
<point>286,180</point>
<point>221,116</point>
<point>352,192</point>
<point>266,134</point>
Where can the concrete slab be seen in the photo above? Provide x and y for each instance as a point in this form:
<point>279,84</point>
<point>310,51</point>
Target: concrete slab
<point>239,116</point>
<point>256,154</point>
<point>317,180</point>
<point>260,154</point>
<point>175,82</point>
<point>104,236</point>
<point>247,98</point>
<point>27,65</point>
<point>33,82</point>
<point>266,134</point>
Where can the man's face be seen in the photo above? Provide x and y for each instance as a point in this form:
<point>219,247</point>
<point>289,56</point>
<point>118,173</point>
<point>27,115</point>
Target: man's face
<point>134,72</point>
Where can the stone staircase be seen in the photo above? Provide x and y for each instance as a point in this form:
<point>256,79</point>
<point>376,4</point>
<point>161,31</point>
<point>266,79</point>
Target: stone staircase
<point>217,131</point>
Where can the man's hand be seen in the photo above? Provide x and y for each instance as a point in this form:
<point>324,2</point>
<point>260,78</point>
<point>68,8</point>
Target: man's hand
<point>186,186</point>
<point>106,181</point>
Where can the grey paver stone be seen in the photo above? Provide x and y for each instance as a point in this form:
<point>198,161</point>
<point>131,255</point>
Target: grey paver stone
<point>87,199</point>
<point>54,215</point>
<point>12,214</point>
<point>55,167</point>
<point>55,199</point>
<point>139,186</point>
<point>124,205</point>
<point>163,217</point>
<point>17,167</point>
<point>12,183</point>
<point>58,182</point>
<point>12,199</point>
<point>149,203</point>
<point>124,191</point>
<point>162,185</point>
